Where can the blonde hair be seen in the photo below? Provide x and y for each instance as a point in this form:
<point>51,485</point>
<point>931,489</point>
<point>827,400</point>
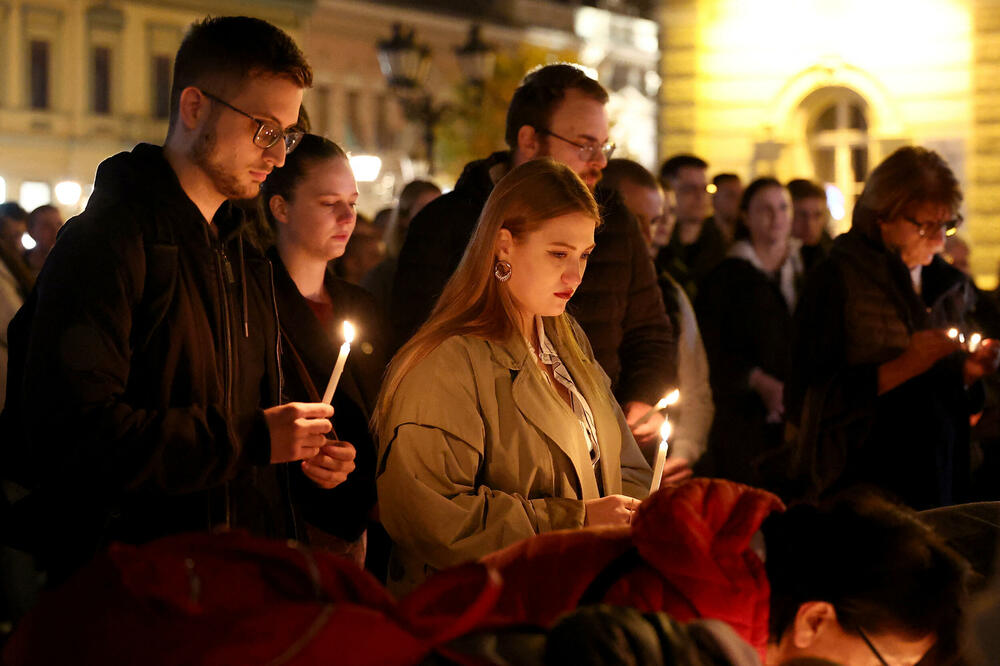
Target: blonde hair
<point>473,301</point>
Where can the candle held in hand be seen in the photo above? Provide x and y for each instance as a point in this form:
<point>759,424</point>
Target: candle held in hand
<point>661,456</point>
<point>338,369</point>
<point>667,400</point>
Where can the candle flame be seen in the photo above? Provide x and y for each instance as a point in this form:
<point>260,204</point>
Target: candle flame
<point>974,341</point>
<point>348,332</point>
<point>952,333</point>
<point>669,399</point>
<point>665,431</point>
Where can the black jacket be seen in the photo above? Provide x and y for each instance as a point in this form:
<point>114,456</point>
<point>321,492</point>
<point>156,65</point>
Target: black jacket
<point>618,304</point>
<point>139,368</point>
<point>308,354</point>
<point>745,323</point>
<point>690,264</point>
<point>857,311</point>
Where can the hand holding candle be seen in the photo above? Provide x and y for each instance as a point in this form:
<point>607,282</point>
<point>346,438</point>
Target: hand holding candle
<point>661,456</point>
<point>338,369</point>
<point>667,400</point>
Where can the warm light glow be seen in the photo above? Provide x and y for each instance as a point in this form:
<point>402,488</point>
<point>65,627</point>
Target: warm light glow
<point>665,430</point>
<point>669,399</point>
<point>34,194</point>
<point>365,167</point>
<point>68,192</point>
<point>711,188</point>
<point>3,190</point>
<point>27,242</point>
<point>348,332</point>
<point>953,333</point>
<point>974,341</point>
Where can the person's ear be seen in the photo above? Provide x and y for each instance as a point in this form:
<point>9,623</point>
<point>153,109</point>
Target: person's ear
<point>813,619</point>
<point>279,208</point>
<point>529,143</point>
<point>194,106</point>
<point>503,245</point>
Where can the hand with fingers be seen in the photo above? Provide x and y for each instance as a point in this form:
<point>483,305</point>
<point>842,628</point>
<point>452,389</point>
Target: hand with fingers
<point>610,510</point>
<point>297,429</point>
<point>331,465</point>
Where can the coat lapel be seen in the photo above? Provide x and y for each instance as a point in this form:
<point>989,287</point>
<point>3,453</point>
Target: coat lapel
<point>605,419</point>
<point>543,409</point>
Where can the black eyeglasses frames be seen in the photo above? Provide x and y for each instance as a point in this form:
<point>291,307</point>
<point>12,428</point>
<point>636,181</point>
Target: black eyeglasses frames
<point>267,134</point>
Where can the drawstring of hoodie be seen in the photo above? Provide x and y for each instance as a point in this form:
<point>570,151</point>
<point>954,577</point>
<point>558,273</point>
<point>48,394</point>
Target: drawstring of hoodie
<point>243,287</point>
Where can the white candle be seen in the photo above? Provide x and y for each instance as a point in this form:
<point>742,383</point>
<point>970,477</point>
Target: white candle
<point>661,456</point>
<point>338,369</point>
<point>667,400</point>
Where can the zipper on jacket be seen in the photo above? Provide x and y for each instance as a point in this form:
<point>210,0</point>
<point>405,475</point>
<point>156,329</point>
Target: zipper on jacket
<point>225,272</point>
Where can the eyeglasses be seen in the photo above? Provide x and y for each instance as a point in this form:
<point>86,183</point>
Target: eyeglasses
<point>588,151</point>
<point>267,134</point>
<point>932,229</point>
<point>871,647</point>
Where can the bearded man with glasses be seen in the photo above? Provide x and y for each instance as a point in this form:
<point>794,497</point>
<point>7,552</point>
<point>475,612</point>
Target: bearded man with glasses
<point>880,393</point>
<point>144,384</point>
<point>557,112</point>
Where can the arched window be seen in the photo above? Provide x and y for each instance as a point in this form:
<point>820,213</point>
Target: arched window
<point>838,141</point>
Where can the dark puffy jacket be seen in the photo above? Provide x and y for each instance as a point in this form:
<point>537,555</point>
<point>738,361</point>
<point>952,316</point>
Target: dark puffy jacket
<point>618,304</point>
<point>139,368</point>
<point>308,354</point>
<point>858,310</point>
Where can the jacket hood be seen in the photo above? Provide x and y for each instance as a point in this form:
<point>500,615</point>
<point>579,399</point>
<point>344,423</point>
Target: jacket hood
<point>475,180</point>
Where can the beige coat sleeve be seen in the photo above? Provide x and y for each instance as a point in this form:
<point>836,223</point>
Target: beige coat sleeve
<point>431,499</point>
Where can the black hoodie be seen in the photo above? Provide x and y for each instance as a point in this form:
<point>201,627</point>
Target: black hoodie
<point>139,367</point>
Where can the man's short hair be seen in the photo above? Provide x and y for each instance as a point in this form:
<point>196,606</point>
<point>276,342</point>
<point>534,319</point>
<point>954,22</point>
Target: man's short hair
<point>800,189</point>
<point>620,171</point>
<point>879,567</point>
<point>673,165</point>
<point>723,178</point>
<point>223,51</point>
<point>13,211</point>
<point>541,91</point>
<point>34,215</point>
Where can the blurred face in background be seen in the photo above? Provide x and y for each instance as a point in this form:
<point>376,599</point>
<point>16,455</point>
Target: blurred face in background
<point>44,227</point>
<point>769,217</point>
<point>809,219</point>
<point>726,200</point>
<point>647,204</point>
<point>690,186</point>
<point>661,232</point>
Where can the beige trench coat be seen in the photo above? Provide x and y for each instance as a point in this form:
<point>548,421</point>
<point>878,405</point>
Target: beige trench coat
<point>478,452</point>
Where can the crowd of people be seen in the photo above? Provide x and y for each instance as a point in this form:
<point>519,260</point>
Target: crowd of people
<point>168,372</point>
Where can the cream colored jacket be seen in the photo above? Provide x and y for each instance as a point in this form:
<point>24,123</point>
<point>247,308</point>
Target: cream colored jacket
<point>478,452</point>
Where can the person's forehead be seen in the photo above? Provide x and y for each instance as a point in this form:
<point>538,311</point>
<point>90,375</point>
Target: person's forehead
<point>691,174</point>
<point>581,115</point>
<point>269,97</point>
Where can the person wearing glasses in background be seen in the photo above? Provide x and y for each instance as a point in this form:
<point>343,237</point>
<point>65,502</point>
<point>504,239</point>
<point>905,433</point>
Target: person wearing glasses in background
<point>879,394</point>
<point>557,112</point>
<point>144,386</point>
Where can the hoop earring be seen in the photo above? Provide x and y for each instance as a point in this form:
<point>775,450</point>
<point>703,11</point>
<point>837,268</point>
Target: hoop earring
<point>502,270</point>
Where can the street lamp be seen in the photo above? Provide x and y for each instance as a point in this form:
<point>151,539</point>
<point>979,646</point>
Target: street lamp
<point>406,64</point>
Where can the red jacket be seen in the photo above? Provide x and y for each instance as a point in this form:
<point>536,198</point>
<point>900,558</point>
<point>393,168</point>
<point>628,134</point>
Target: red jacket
<point>687,553</point>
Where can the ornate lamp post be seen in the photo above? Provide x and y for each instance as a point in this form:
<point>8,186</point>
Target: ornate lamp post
<point>406,64</point>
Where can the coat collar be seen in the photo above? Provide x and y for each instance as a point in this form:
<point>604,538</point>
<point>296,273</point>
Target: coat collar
<point>539,404</point>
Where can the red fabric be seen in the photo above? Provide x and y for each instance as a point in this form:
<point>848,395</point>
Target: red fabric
<point>693,540</point>
<point>234,599</point>
<point>323,312</point>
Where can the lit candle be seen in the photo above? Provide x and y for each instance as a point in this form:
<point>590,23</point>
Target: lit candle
<point>338,369</point>
<point>661,456</point>
<point>667,400</point>
<point>974,340</point>
<point>953,333</point>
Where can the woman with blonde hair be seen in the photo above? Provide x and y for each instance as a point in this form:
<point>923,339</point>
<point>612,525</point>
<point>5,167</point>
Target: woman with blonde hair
<point>495,422</point>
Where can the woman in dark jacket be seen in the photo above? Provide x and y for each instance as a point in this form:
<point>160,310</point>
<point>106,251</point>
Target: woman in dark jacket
<point>880,395</point>
<point>744,311</point>
<point>311,203</point>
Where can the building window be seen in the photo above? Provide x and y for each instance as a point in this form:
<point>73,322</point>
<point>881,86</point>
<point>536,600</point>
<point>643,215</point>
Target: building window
<point>34,194</point>
<point>161,86</point>
<point>39,56</point>
<point>102,80</point>
<point>353,131</point>
<point>383,134</point>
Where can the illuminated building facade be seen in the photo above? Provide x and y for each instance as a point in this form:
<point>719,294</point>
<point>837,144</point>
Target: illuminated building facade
<point>826,89</point>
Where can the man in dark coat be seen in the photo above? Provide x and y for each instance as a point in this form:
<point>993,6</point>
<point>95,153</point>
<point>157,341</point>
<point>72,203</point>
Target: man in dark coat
<point>144,368</point>
<point>557,112</point>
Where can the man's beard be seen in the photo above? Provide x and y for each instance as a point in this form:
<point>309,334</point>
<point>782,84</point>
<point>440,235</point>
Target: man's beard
<point>226,183</point>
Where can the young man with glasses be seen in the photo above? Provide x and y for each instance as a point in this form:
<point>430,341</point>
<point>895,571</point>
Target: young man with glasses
<point>557,112</point>
<point>144,374</point>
